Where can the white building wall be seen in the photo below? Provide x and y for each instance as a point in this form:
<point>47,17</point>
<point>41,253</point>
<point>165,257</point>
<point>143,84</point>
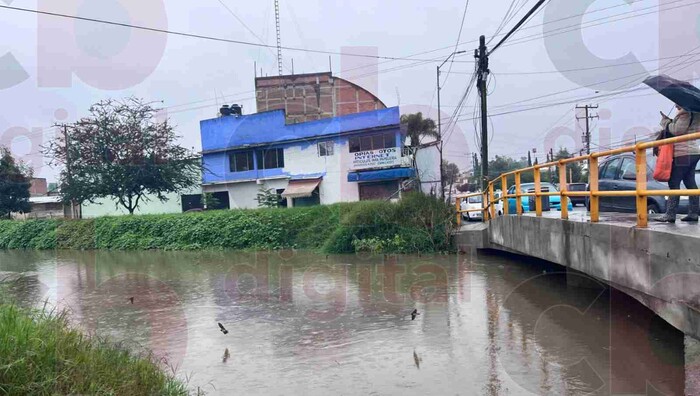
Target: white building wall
<point>304,160</point>
<point>428,168</point>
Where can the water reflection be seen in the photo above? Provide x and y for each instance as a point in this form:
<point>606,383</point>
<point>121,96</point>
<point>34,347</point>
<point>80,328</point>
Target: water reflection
<point>315,324</point>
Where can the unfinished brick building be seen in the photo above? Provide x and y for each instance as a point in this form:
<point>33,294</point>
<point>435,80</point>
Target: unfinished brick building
<point>308,97</point>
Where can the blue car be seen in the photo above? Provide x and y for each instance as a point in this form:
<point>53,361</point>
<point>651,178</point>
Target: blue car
<point>554,201</point>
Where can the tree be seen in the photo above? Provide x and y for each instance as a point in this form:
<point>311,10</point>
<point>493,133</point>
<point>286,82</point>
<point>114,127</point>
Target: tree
<point>417,128</point>
<point>15,180</point>
<point>451,175</point>
<point>573,168</point>
<point>122,151</point>
<point>267,197</point>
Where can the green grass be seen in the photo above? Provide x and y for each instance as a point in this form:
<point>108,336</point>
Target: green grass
<point>41,355</point>
<point>417,223</point>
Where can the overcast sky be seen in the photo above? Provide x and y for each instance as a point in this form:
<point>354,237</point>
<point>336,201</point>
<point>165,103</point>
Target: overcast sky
<point>54,68</point>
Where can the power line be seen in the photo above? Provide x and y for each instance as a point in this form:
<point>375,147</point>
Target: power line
<point>203,37</point>
<point>578,27</point>
<point>517,26</point>
<point>459,35</point>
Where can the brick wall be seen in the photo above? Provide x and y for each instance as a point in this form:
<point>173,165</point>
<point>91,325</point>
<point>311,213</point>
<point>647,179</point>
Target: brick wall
<point>308,97</point>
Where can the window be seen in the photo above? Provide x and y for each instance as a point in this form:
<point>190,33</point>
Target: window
<point>372,142</point>
<point>628,166</point>
<point>241,161</point>
<point>270,158</point>
<point>325,149</point>
<point>610,169</point>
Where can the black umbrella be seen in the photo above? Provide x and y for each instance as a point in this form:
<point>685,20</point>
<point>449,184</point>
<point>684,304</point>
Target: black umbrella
<point>682,93</point>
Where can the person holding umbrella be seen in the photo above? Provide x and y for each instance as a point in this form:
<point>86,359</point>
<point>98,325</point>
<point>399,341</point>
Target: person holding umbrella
<point>685,158</point>
<point>685,154</point>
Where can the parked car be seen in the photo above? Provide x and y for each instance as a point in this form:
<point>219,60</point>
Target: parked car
<point>474,202</point>
<point>577,187</point>
<point>554,201</point>
<point>617,173</point>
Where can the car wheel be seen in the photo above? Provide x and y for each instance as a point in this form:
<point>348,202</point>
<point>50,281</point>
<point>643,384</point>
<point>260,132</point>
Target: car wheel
<point>652,208</point>
<point>500,213</point>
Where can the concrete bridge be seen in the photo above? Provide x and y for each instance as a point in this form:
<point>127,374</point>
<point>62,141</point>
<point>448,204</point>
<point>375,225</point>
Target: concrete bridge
<point>659,266</point>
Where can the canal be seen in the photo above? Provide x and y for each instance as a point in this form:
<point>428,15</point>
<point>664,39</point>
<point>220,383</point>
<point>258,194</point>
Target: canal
<point>301,323</point>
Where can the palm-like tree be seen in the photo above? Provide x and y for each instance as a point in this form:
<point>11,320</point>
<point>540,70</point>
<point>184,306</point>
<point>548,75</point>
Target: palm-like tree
<point>418,128</point>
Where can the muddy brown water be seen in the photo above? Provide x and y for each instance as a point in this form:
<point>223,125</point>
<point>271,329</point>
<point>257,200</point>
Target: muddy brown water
<point>301,323</point>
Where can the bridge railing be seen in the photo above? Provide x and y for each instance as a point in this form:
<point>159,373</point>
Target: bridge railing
<point>489,201</point>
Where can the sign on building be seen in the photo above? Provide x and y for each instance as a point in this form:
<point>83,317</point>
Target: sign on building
<point>381,158</point>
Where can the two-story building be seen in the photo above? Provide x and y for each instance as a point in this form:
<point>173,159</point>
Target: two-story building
<point>346,158</point>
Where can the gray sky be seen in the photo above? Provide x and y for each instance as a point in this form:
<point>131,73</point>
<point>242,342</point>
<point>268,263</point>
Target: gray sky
<point>62,66</point>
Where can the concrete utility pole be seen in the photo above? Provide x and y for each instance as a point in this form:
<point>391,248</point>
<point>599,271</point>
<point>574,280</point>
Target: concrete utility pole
<point>587,134</point>
<point>442,183</point>
<point>69,171</point>
<point>482,62</point>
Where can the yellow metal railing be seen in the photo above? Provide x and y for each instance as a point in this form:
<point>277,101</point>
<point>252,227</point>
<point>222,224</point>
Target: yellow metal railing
<point>641,193</point>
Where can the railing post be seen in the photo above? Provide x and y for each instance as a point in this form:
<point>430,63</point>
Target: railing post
<point>538,191</point>
<point>504,189</point>
<point>518,203</point>
<point>593,201</point>
<point>563,188</point>
<point>642,216</point>
<point>492,203</point>
<point>459,214</point>
<point>484,204</point>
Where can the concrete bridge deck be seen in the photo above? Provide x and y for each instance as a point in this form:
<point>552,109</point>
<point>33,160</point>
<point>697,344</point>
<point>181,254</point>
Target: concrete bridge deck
<point>659,266</point>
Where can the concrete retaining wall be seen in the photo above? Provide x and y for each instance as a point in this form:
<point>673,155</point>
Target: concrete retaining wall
<point>658,267</point>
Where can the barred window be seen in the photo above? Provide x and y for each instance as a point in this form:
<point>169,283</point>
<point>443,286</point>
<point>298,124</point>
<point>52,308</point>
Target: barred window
<point>325,149</point>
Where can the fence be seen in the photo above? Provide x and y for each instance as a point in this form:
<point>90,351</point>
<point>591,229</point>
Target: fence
<point>593,194</point>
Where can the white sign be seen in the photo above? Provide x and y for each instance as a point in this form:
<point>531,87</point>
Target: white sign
<point>376,158</point>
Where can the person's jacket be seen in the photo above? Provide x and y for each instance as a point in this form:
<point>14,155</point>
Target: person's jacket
<point>682,124</point>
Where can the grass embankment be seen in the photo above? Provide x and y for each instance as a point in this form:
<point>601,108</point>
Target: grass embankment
<point>41,355</point>
<point>417,223</point>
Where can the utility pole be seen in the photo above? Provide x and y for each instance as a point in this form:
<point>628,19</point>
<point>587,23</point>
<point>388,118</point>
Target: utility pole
<point>69,170</point>
<point>442,183</point>
<point>482,75</point>
<point>587,133</point>
<point>482,61</point>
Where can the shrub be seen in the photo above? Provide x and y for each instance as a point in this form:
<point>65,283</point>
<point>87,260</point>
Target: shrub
<point>416,223</point>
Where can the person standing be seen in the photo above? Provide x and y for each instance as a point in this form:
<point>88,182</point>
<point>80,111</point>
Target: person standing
<point>685,158</point>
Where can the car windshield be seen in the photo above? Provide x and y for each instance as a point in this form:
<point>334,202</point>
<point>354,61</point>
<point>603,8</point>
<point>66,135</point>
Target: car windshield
<point>476,199</point>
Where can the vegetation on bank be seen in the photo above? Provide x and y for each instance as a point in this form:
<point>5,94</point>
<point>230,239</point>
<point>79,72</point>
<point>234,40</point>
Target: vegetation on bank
<point>41,355</point>
<point>417,223</point>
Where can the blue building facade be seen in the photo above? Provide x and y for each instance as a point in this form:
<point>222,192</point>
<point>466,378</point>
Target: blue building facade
<point>347,158</point>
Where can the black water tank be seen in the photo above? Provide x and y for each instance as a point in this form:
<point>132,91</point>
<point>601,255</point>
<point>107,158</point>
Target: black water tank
<point>225,111</point>
<point>236,110</point>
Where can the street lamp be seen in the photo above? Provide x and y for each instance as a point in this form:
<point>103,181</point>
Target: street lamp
<point>442,184</point>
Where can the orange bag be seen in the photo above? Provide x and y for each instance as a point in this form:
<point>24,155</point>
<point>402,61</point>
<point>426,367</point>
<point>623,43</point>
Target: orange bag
<point>664,163</point>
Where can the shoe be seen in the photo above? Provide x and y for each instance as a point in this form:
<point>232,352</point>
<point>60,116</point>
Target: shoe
<point>690,219</point>
<point>665,219</point>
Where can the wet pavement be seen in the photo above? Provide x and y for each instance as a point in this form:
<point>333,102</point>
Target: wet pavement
<point>580,214</point>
